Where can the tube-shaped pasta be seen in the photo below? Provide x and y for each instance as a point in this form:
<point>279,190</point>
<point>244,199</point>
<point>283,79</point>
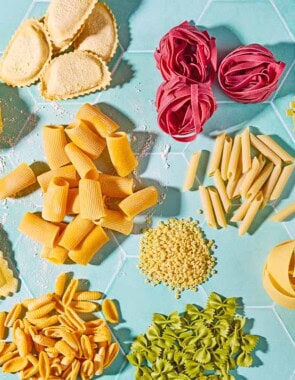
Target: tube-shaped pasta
<point>228,142</point>
<point>260,181</point>
<point>270,184</point>
<point>250,177</point>
<point>55,200</point>
<point>276,148</point>
<point>18,179</point>
<point>222,191</point>
<point>262,162</point>
<point>56,255</point>
<point>86,250</point>
<point>2,324</point>
<point>96,118</point>
<point>217,207</point>
<point>54,142</point>
<point>122,157</point>
<point>264,149</point>
<point>75,232</point>
<point>82,136</point>
<point>139,201</point>
<point>192,171</point>
<point>82,163</point>
<point>91,201</point>
<point>73,202</point>
<point>284,213</point>
<point>237,191</point>
<point>282,181</point>
<point>251,213</point>
<point>234,158</point>
<point>217,154</point>
<point>116,221</point>
<point>38,229</point>
<point>241,211</point>
<point>233,181</point>
<point>66,172</point>
<point>208,208</point>
<point>114,186</point>
<point>246,150</point>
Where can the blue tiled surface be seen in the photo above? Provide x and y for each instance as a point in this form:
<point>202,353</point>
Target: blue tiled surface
<point>130,101</point>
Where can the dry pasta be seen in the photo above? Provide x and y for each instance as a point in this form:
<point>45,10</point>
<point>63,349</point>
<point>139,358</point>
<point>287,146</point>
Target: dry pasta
<point>83,306</point>
<point>250,177</point>
<point>57,255</point>
<point>74,319</point>
<point>264,149</point>
<point>217,207</point>
<point>22,342</point>
<point>115,187</point>
<point>260,181</point>
<point>233,181</point>
<point>73,202</point>
<point>14,365</point>
<point>87,296</point>
<point>250,214</point>
<point>208,208</point>
<point>246,150</point>
<point>13,315</point>
<point>192,171</point>
<point>284,213</point>
<point>282,181</point>
<point>234,158</point>
<point>116,221</point>
<point>228,142</point>
<point>2,324</point>
<point>222,191</point>
<point>55,200</point>
<point>217,154</point>
<point>91,201</point>
<point>35,303</point>
<point>110,311</point>
<point>41,311</point>
<point>270,184</point>
<point>82,163</point>
<point>18,179</point>
<point>70,291</point>
<point>276,148</point>
<point>139,201</point>
<point>54,142</point>
<point>44,365</point>
<point>60,284</point>
<point>67,172</point>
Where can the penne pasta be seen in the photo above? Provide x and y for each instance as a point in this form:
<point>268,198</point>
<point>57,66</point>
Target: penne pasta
<point>114,186</point>
<point>234,158</point>
<point>17,180</point>
<point>282,181</point>
<point>251,213</point>
<point>116,221</point>
<point>260,181</point>
<point>262,162</point>
<point>139,201</point>
<point>246,150</point>
<point>73,202</point>
<point>39,230</point>
<point>85,139</point>
<point>91,200</point>
<point>122,157</point>
<point>60,284</point>
<point>270,184</point>
<point>284,213</point>
<point>66,172</point>
<point>217,154</point>
<point>228,142</point>
<point>264,149</point>
<point>217,207</point>
<point>54,142</point>
<point>97,119</point>
<point>70,291</point>
<point>237,191</point>
<point>86,250</point>
<point>276,148</point>
<point>2,325</point>
<point>250,177</point>
<point>192,171</point>
<point>241,211</point>
<point>82,163</point>
<point>55,200</point>
<point>75,232</point>
<point>222,191</point>
<point>233,181</point>
<point>208,208</point>
<point>57,255</point>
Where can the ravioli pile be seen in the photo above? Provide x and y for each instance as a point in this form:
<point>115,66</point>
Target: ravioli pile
<point>33,53</point>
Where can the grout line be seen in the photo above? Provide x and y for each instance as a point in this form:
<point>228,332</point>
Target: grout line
<point>225,102</point>
<point>257,307</point>
<point>140,51</point>
<point>25,285</point>
<point>184,157</point>
<point>283,81</point>
<point>203,12</point>
<point>119,245</point>
<point>283,325</point>
<point>124,364</point>
<point>28,11</point>
<point>131,257</point>
<point>284,224</point>
<point>282,20</point>
<point>283,122</point>
<point>31,95</point>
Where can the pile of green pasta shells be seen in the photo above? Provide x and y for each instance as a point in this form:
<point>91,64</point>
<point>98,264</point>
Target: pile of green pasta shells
<point>200,344</point>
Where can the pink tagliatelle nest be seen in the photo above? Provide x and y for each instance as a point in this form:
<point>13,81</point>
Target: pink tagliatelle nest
<point>184,107</point>
<point>188,52</point>
<point>250,74</point>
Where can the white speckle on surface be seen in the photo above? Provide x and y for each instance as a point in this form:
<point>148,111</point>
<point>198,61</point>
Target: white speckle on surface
<point>164,155</point>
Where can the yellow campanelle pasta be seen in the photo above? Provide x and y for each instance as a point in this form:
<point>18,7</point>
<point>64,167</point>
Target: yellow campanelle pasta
<point>86,347</point>
<point>70,291</point>
<point>97,119</point>
<point>86,250</point>
<point>139,201</point>
<point>15,365</point>
<point>43,340</point>
<point>18,179</point>
<point>246,150</point>
<point>284,213</point>
<point>111,354</point>
<point>88,141</point>
<point>234,158</point>
<point>54,142</point>
<point>41,311</point>
<point>222,191</point>
<point>83,306</point>
<point>217,207</point>
<point>276,148</point>
<point>217,154</point>
<point>110,311</point>
<point>67,172</point>
<point>44,365</point>
<point>251,213</point>
<point>192,171</point>
<point>250,177</point>
<point>264,149</point>
<point>55,200</point>
<point>260,181</point>
<point>13,315</point>
<point>208,208</point>
<point>2,324</point>
<point>73,202</point>
<point>282,181</point>
<point>22,342</point>
<point>74,319</point>
<point>75,232</point>
<point>87,370</point>
<point>122,157</point>
<point>228,142</point>
<point>87,295</point>
<point>60,284</point>
<point>82,163</point>
<point>35,303</point>
<point>114,186</point>
<point>42,323</point>
<point>91,200</point>
<point>270,184</point>
<point>39,230</point>
<point>116,221</point>
<point>57,255</point>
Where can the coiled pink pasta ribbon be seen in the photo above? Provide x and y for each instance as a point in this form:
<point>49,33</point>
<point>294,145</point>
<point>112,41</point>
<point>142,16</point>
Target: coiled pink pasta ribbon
<point>250,74</point>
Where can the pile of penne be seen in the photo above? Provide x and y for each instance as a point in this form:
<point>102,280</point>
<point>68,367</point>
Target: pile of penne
<point>51,341</point>
<point>74,186</point>
<point>253,168</point>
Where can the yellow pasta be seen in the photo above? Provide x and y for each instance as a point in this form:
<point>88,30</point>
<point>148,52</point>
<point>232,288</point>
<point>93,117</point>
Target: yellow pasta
<point>237,191</point>
<point>72,340</point>
<point>88,141</point>
<point>217,154</point>
<point>2,325</point>
<point>82,163</point>
<point>42,323</point>
<point>13,315</point>
<point>74,319</point>
<point>282,181</point>
<point>83,306</point>
<point>233,181</point>
<point>97,119</point>
<point>91,200</point>
<point>15,365</point>
<point>139,201</point>
<point>87,370</point>
<point>228,142</point>
<point>41,311</point>
<point>73,202</point>
<point>250,177</point>
<point>122,157</point>
<point>86,347</point>
<point>44,365</point>
<point>276,148</point>
<point>284,213</point>
<point>207,205</point>
<point>115,187</point>
<point>110,311</point>
<point>111,354</point>
<point>86,250</point>
<point>22,342</point>
<point>222,191</point>
<point>70,291</point>
<point>43,340</point>
<point>66,172</point>
<point>60,284</point>
<point>264,149</point>
<point>192,171</point>
<point>270,184</point>
<point>251,213</point>
<point>260,181</point>
<point>54,142</point>
<point>87,295</point>
<point>55,200</point>
<point>35,303</point>
<point>234,158</point>
<point>7,356</point>
<point>18,179</point>
<point>57,255</point>
<point>217,207</point>
<point>241,211</point>
<point>38,229</point>
<point>246,150</point>
<point>8,283</point>
<point>116,221</point>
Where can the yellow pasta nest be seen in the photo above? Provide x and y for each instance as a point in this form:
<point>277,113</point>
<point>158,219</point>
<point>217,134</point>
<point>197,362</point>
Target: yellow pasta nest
<point>176,254</point>
<point>50,340</point>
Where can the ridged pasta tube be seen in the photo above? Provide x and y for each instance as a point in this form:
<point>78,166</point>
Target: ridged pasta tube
<point>55,200</point>
<point>82,163</point>
<point>139,201</point>
<point>18,179</point>
<point>91,201</point>
<point>54,142</point>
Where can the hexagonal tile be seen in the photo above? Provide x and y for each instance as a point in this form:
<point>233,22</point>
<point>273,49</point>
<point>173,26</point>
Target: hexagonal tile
<point>286,12</point>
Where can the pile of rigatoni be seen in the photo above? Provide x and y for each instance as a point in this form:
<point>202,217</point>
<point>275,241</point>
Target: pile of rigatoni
<point>75,187</point>
<point>253,168</point>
